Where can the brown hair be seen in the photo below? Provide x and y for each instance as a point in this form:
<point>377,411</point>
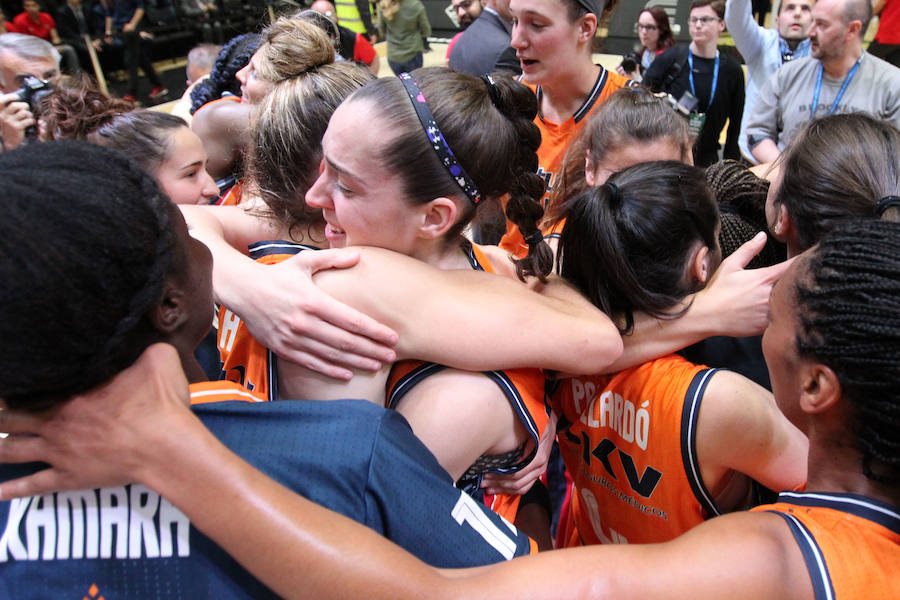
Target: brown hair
<point>838,167</point>
<point>76,108</point>
<point>717,5</point>
<point>292,46</point>
<point>495,141</point>
<point>630,115</point>
<point>144,136</point>
<point>287,138</point>
<point>666,38</point>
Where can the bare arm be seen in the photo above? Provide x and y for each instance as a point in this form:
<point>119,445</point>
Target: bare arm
<point>734,303</point>
<point>766,151</point>
<point>300,549</point>
<point>308,327</point>
<point>222,127</point>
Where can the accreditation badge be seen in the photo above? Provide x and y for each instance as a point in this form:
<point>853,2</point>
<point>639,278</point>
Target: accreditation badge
<point>695,123</point>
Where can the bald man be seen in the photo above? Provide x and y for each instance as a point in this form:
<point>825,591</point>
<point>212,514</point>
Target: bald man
<point>837,77</point>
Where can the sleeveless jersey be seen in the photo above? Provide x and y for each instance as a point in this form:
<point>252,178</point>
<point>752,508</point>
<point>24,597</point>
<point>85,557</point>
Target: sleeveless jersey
<point>524,388</point>
<point>555,140</point>
<point>629,442</point>
<point>244,360</point>
<point>851,543</point>
<point>351,456</point>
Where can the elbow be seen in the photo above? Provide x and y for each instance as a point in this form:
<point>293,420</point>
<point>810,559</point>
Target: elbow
<point>602,348</point>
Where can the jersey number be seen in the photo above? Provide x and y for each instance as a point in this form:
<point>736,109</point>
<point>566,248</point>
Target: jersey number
<point>470,512</point>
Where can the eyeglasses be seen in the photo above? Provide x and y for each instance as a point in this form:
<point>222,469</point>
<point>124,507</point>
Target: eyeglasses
<point>647,27</point>
<point>702,20</point>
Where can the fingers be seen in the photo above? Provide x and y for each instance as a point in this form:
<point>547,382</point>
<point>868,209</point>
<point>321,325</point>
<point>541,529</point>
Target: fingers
<point>741,257</point>
<point>22,449</point>
<point>328,360</point>
<point>42,482</point>
<point>337,258</point>
<point>16,422</point>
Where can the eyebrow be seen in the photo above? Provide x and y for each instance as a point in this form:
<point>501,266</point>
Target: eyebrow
<point>196,163</point>
<point>340,169</point>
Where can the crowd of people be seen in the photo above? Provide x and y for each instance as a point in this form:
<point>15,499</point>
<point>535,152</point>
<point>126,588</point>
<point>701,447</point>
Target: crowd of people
<point>674,375</point>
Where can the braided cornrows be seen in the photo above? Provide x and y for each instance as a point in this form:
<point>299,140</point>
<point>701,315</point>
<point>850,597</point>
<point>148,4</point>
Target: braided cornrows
<point>86,246</point>
<point>849,308</point>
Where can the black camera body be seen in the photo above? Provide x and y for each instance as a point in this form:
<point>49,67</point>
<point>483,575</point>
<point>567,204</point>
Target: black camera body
<point>630,62</point>
<point>32,92</point>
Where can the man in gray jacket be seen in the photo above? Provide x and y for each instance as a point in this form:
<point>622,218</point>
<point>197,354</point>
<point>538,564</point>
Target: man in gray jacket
<point>838,77</point>
<point>765,50</point>
<point>478,48</point>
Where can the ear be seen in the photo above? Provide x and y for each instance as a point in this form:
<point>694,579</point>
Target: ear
<point>820,389</point>
<point>589,175</point>
<point>721,25</point>
<point>437,217</point>
<point>701,267</point>
<point>170,314</point>
<point>853,30</point>
<point>587,27</point>
<point>783,227</point>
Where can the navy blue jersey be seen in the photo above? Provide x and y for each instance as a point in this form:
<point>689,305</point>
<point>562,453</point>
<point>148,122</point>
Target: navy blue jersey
<point>351,456</point>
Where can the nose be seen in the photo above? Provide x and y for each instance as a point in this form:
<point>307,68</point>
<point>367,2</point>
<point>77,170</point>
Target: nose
<point>210,189</point>
<point>517,41</point>
<point>242,74</point>
<point>316,196</point>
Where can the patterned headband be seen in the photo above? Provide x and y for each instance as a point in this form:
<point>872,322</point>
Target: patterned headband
<point>436,138</point>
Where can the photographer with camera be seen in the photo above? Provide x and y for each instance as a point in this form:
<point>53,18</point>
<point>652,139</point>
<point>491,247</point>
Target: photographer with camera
<point>26,64</point>
<point>655,35</point>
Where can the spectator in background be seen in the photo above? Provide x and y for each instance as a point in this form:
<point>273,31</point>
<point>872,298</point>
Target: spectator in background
<point>404,24</point>
<point>123,22</point>
<point>203,13</point>
<point>34,21</point>
<point>466,12</point>
<point>6,26</point>
<point>887,40</point>
<point>765,50</point>
<point>838,77</point>
<point>706,82</point>
<point>356,16</point>
<point>74,20</point>
<point>354,46</point>
<point>476,51</point>
<point>655,34</point>
<point>21,56</point>
<point>200,61</point>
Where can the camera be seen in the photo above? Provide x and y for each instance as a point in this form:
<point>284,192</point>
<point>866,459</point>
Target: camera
<point>630,62</point>
<point>33,90</point>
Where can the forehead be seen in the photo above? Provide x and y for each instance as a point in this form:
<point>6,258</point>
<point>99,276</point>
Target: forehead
<point>795,3</point>
<point>646,17</point>
<point>14,69</point>
<point>543,7</point>
<point>826,8</point>
<point>704,10</point>
<point>356,124</point>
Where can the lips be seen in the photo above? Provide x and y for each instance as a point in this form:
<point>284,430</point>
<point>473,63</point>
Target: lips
<point>334,235</point>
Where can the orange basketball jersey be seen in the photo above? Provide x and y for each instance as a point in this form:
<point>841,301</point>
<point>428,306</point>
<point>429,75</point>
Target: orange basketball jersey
<point>555,140</point>
<point>524,388</point>
<point>207,392</point>
<point>244,360</point>
<point>629,442</point>
<point>851,543</point>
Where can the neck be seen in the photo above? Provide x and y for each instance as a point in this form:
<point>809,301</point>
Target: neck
<point>835,466</point>
<point>792,44</point>
<point>442,254</point>
<point>564,96</point>
<point>838,67</point>
<point>705,50</point>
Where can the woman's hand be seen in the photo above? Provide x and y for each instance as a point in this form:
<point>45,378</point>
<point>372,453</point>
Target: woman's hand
<point>112,435</point>
<point>304,325</point>
<point>520,482</point>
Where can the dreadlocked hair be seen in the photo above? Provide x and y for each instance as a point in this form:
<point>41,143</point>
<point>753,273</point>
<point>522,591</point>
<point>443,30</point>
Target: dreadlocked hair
<point>233,57</point>
<point>742,199</point>
<point>848,302</point>
<point>86,245</point>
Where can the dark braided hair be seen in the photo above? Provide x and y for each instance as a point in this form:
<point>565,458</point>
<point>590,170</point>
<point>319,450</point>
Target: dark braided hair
<point>742,199</point>
<point>496,144</point>
<point>86,245</point>
<point>232,58</point>
<point>848,302</point>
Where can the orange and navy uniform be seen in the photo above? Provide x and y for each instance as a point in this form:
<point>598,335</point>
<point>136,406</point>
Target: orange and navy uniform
<point>207,392</point>
<point>245,360</point>
<point>524,388</point>
<point>850,543</point>
<point>628,441</point>
<point>555,140</point>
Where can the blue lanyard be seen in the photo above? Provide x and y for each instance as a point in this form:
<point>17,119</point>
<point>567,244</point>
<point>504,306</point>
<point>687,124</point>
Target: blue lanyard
<point>715,81</point>
<point>815,100</point>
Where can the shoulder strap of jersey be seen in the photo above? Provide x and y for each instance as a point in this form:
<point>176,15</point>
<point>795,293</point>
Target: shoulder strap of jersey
<point>689,416</point>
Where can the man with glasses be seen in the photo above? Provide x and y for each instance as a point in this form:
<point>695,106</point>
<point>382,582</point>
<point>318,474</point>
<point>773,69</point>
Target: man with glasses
<point>708,85</point>
<point>765,50</point>
<point>837,77</point>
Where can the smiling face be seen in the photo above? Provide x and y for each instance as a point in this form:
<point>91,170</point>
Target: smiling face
<point>253,88</point>
<point>648,31</point>
<point>182,175</point>
<point>363,204</point>
<point>794,19</point>
<point>546,42</point>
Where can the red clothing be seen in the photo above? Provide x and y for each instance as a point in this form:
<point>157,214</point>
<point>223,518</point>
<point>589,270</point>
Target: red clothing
<point>41,29</point>
<point>889,23</point>
<point>363,50</point>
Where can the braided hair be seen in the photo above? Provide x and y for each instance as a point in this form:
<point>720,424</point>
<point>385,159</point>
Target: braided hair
<point>231,59</point>
<point>490,128</point>
<point>86,244</point>
<point>848,302</point>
